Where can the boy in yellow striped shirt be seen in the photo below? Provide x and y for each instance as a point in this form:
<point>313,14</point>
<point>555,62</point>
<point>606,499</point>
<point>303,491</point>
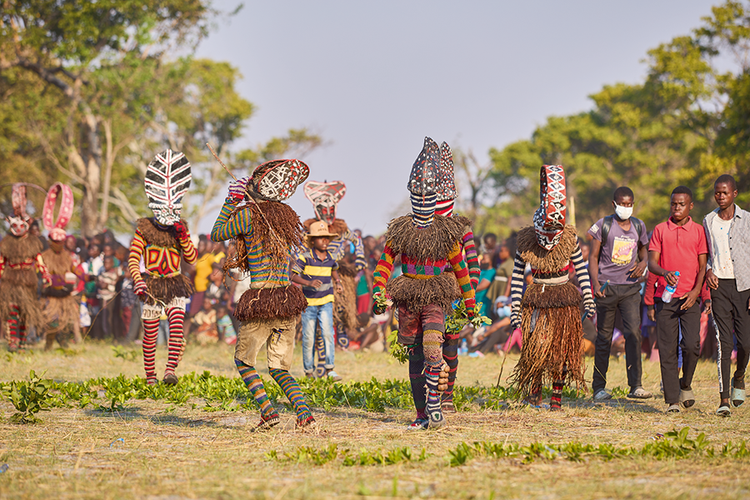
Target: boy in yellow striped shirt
<point>317,272</point>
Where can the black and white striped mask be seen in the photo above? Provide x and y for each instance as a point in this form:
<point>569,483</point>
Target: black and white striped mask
<point>423,209</point>
<point>167,180</point>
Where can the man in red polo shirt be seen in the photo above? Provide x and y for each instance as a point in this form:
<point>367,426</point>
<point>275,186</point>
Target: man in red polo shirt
<point>679,244</point>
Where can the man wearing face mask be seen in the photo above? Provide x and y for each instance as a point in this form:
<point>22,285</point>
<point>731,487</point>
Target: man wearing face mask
<point>162,241</point>
<point>619,256</point>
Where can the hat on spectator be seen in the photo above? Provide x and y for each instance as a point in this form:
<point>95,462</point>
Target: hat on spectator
<point>317,229</point>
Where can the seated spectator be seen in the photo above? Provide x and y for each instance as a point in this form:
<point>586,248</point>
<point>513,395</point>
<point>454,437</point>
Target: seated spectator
<point>204,323</point>
<point>224,326</point>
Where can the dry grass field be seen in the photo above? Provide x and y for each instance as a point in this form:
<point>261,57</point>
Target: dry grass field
<point>167,448</point>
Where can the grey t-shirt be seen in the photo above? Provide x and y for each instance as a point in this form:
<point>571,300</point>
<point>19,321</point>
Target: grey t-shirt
<point>620,251</point>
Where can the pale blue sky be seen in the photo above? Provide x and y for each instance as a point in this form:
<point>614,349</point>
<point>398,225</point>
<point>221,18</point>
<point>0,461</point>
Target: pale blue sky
<point>373,78</point>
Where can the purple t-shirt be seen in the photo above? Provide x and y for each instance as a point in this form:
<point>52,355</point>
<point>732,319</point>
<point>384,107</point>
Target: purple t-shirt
<point>620,251</point>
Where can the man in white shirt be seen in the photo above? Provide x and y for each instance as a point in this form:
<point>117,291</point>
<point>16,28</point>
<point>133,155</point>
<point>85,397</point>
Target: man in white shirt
<point>728,276</point>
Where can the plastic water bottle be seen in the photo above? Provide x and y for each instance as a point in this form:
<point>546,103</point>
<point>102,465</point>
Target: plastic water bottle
<point>464,349</point>
<point>666,297</point>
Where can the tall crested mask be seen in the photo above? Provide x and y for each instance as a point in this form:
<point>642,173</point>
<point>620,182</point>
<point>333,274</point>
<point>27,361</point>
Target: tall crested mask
<point>20,221</point>
<point>325,197</point>
<point>446,185</point>
<point>56,227</point>
<point>167,180</point>
<point>423,179</point>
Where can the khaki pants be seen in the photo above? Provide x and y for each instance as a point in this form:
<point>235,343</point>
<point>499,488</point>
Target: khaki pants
<point>276,334</point>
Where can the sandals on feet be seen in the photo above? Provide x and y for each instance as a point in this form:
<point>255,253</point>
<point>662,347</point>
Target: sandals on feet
<point>419,424</point>
<point>724,410</point>
<point>265,425</point>
<point>738,395</point>
<point>687,398</point>
<point>639,393</point>
<point>674,408</point>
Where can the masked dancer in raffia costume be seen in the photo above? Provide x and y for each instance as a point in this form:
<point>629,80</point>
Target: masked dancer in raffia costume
<point>61,308</point>
<point>266,232</point>
<point>423,294</point>
<point>325,197</point>
<point>162,241</point>
<point>549,312</point>
<point>446,196</point>
<point>20,261</point>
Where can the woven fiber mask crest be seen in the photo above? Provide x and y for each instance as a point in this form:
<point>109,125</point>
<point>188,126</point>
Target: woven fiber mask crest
<point>446,183</point>
<point>549,219</point>
<point>325,197</point>
<point>57,227</point>
<point>167,180</point>
<point>277,180</point>
<point>423,184</point>
<point>20,221</point>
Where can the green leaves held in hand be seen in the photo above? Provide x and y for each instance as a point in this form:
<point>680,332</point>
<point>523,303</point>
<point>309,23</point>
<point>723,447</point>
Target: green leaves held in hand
<point>398,351</point>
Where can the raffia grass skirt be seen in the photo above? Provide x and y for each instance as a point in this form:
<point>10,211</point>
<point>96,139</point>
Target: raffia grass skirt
<point>345,303</point>
<point>64,310</point>
<point>554,349</point>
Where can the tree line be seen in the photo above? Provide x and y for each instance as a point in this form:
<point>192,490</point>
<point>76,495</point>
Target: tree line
<point>687,123</point>
<point>90,91</point>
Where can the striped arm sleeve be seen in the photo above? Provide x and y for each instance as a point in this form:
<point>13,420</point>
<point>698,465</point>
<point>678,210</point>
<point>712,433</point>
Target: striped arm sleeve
<point>472,260</point>
<point>189,253</point>
<point>359,251</point>
<point>137,247</point>
<point>581,272</point>
<point>383,270</point>
<point>583,281</point>
<point>227,226</point>
<point>516,290</point>
<point>456,258</point>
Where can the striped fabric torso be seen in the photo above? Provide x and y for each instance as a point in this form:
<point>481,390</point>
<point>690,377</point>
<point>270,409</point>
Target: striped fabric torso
<point>338,246</point>
<point>261,270</point>
<point>553,275</point>
<point>159,260</point>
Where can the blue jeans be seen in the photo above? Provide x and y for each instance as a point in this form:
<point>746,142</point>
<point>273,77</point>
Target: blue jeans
<point>311,316</point>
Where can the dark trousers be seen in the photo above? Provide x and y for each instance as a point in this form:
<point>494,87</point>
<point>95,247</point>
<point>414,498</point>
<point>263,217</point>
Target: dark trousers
<point>730,310</point>
<point>669,320</point>
<point>627,300</point>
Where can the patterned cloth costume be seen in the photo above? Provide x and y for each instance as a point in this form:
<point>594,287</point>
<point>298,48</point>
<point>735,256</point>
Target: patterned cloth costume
<point>162,241</point>
<point>61,308</point>
<point>325,196</point>
<point>427,243</point>
<point>20,260</point>
<point>446,188</point>
<point>549,313</point>
<point>265,232</point>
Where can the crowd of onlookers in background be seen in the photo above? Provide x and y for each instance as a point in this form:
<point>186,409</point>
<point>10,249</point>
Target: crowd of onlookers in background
<point>110,310</point>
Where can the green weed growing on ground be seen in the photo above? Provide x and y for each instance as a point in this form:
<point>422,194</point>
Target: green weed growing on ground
<point>674,445</point>
<point>28,398</point>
